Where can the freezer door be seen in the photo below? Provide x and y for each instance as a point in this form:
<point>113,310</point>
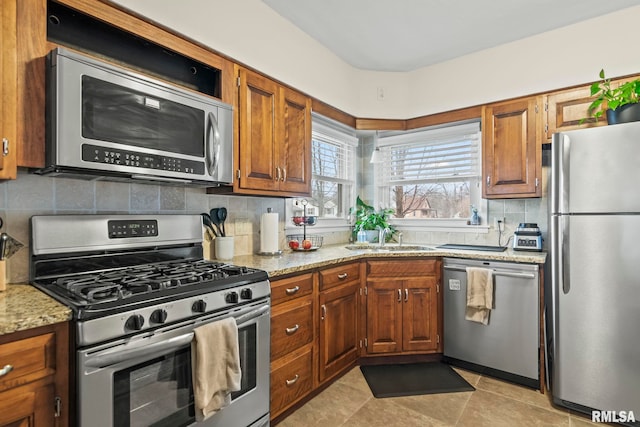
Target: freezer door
<point>596,311</point>
<point>596,170</point>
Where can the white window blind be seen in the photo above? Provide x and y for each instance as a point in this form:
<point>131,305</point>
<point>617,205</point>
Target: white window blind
<point>333,157</point>
<point>447,154</point>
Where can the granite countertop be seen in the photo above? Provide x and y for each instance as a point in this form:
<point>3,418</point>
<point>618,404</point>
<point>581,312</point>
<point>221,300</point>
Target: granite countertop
<point>294,262</point>
<point>24,307</point>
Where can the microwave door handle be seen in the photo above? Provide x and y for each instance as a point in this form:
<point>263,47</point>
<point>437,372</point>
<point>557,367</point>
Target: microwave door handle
<point>213,145</point>
<point>116,356</point>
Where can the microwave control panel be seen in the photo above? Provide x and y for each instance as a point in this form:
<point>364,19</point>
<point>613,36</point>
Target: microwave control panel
<point>96,154</point>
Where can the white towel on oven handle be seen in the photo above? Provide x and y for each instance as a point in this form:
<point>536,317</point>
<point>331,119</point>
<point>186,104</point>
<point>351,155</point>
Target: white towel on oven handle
<point>215,366</point>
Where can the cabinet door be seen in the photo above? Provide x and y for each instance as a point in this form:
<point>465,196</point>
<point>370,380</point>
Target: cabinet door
<point>420,314</point>
<point>384,316</point>
<point>8,87</point>
<point>25,407</point>
<point>257,133</point>
<point>338,329</point>
<point>512,158</point>
<point>294,142</point>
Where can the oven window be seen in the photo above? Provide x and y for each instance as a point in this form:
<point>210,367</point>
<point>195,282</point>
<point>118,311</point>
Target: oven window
<point>156,393</point>
<point>118,114</point>
<point>248,350</point>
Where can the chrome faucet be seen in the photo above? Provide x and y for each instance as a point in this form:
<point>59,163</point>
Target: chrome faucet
<point>382,235</point>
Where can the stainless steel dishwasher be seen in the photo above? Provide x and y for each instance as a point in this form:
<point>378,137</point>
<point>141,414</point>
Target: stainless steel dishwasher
<point>508,347</point>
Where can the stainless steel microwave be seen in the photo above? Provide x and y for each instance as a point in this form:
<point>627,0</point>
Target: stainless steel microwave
<point>107,122</point>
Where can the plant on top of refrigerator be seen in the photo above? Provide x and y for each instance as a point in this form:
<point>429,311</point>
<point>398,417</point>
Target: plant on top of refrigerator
<point>615,97</point>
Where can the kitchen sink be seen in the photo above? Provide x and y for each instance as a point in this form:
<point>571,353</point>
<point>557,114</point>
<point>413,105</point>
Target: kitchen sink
<point>389,248</point>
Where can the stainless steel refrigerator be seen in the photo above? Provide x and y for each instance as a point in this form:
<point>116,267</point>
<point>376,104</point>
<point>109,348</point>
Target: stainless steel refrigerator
<point>593,301</point>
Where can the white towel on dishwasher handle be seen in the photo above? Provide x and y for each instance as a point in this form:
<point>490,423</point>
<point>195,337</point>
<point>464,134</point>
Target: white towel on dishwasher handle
<point>479,294</point>
<point>215,366</point>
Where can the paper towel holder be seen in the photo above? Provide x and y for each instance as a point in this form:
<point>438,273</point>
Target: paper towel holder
<point>270,253</point>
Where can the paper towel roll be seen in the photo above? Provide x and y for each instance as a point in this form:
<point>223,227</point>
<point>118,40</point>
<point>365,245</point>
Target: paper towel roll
<point>269,232</point>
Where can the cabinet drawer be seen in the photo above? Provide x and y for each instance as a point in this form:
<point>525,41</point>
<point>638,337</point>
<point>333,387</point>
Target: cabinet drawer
<point>331,277</point>
<point>291,327</point>
<point>30,359</point>
<point>291,382</point>
<point>293,287</point>
<point>402,268</point>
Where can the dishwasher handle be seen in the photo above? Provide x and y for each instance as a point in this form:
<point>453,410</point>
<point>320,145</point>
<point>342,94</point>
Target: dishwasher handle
<point>497,272</point>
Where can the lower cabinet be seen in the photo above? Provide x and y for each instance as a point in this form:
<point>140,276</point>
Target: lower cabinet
<point>322,320</point>
<point>292,341</point>
<point>339,293</point>
<point>34,377</point>
<point>403,307</point>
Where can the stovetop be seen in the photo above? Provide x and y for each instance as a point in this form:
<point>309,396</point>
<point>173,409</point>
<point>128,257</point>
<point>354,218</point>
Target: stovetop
<point>123,289</point>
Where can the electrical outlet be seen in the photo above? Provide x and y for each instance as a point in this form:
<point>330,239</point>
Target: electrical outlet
<point>498,223</point>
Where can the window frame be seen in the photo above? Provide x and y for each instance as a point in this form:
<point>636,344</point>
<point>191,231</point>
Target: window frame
<point>333,132</point>
<point>384,140</point>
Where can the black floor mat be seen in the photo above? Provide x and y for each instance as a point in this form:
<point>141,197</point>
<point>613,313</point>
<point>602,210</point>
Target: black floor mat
<point>413,379</point>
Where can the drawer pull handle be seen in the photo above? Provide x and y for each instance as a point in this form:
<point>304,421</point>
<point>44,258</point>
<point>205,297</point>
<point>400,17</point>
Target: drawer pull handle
<point>292,381</point>
<point>406,295</point>
<point>4,371</point>
<point>399,295</point>
<point>291,331</point>
<point>291,291</point>
<point>342,276</point>
<point>323,308</point>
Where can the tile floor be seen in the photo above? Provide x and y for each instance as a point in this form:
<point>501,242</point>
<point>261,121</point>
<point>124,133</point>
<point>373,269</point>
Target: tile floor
<point>349,403</point>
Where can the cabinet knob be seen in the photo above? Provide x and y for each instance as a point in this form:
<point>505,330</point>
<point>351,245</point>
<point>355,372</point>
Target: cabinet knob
<point>488,180</point>
<point>284,175</point>
<point>5,147</point>
<point>4,371</point>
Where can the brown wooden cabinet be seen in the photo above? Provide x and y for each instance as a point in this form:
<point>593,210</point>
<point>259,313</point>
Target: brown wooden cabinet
<point>338,332</point>
<point>511,154</point>
<point>292,341</point>
<point>34,377</point>
<point>8,89</point>
<point>569,109</point>
<point>274,133</point>
<point>403,307</point>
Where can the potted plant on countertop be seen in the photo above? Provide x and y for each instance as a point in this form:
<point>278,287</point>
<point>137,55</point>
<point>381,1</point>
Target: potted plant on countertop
<point>622,102</point>
<point>371,221</point>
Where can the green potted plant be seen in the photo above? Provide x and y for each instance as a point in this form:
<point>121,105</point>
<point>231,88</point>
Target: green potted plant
<point>621,102</point>
<point>370,220</point>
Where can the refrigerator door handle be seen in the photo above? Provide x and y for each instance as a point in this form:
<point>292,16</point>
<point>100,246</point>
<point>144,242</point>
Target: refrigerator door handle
<point>563,244</point>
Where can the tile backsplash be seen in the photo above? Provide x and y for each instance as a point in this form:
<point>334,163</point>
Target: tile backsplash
<point>31,194</point>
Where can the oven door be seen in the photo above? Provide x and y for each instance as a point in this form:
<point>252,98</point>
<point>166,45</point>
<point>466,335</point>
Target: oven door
<point>146,380</point>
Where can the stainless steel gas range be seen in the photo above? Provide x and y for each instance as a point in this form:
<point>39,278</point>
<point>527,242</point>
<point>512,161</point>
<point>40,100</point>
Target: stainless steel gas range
<point>138,287</point>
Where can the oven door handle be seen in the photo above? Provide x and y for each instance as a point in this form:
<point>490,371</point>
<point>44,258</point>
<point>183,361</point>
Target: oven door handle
<point>252,315</point>
<point>116,356</point>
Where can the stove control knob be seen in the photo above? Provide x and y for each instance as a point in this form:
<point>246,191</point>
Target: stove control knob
<point>246,293</point>
<point>134,322</point>
<point>231,297</point>
<point>200,306</point>
<point>159,316</point>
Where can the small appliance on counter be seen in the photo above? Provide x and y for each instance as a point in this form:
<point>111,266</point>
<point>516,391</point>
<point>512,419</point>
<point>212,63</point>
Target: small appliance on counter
<point>527,237</point>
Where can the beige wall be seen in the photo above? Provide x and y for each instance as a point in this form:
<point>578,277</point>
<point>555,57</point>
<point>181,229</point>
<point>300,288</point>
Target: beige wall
<point>250,32</point>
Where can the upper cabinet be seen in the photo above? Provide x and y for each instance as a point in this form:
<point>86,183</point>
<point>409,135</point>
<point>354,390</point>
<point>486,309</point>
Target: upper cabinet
<point>8,87</point>
<point>274,138</point>
<point>511,154</point>
<point>569,109</point>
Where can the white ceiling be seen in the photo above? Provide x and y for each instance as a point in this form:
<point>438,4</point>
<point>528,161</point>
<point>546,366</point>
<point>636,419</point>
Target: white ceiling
<point>404,35</point>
